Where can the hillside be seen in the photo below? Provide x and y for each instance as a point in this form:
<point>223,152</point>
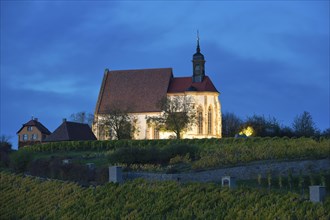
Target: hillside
<point>31,198</point>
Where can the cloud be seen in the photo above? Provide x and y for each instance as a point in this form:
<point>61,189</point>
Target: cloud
<point>264,57</point>
<point>268,87</point>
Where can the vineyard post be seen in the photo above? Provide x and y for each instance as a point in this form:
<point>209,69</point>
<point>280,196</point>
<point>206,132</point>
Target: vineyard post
<point>269,179</point>
<point>311,179</point>
<point>280,181</point>
<point>322,178</point>
<point>259,180</point>
<point>301,182</point>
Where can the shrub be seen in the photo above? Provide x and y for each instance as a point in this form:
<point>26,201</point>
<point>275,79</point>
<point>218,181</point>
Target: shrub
<point>5,150</point>
<point>180,159</point>
<point>181,150</point>
<point>151,154</point>
<point>20,159</point>
<point>102,175</point>
<point>39,167</point>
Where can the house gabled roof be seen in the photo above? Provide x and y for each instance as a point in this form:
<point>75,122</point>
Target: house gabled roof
<point>182,84</point>
<point>71,131</point>
<point>133,90</point>
<point>37,124</point>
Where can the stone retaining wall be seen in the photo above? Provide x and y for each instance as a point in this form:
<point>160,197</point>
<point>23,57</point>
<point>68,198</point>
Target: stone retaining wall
<point>249,171</point>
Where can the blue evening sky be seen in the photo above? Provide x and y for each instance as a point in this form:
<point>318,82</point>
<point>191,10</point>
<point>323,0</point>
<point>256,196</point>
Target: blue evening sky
<point>268,58</point>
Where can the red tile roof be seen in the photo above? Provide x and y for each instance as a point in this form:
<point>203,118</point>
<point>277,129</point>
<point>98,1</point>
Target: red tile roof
<point>36,123</point>
<point>138,91</point>
<point>182,84</point>
<point>71,131</point>
<point>133,90</point>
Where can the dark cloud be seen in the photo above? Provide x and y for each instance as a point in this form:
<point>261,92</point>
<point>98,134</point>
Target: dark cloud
<point>249,86</point>
<point>265,58</point>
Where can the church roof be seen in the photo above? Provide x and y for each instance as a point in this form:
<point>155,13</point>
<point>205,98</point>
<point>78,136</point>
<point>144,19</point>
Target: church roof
<point>133,90</point>
<point>71,131</point>
<point>182,84</point>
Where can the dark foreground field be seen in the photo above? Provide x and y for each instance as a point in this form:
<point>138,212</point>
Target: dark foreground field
<point>32,198</point>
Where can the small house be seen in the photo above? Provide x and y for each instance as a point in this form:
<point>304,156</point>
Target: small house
<point>31,133</point>
<point>71,131</point>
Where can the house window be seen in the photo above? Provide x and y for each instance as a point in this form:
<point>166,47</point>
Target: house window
<point>200,121</point>
<point>30,128</point>
<point>156,133</point>
<point>34,136</point>
<point>25,137</point>
<point>209,121</point>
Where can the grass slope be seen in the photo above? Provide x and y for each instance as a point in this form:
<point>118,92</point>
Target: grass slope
<point>196,154</point>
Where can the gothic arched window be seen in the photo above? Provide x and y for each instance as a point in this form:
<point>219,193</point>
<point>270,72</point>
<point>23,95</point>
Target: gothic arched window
<point>200,120</point>
<point>209,121</point>
<point>156,133</point>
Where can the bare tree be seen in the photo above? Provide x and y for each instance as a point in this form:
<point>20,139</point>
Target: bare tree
<point>230,124</point>
<point>303,125</point>
<point>326,133</point>
<point>119,124</point>
<point>177,114</point>
<point>263,127</point>
<point>82,117</point>
<point>5,149</point>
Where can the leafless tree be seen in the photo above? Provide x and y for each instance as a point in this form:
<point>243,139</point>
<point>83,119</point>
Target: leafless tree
<point>230,124</point>
<point>303,125</point>
<point>178,114</point>
<point>119,124</point>
<point>82,117</point>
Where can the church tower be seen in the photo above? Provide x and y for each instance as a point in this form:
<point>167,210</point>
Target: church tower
<point>198,64</point>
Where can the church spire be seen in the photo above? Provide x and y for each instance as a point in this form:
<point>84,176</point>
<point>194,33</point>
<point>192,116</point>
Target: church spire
<point>198,50</point>
<point>198,64</point>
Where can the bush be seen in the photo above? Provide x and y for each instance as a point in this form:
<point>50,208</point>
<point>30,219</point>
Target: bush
<point>134,155</point>
<point>180,159</point>
<point>102,175</point>
<point>180,150</point>
<point>5,149</point>
<point>39,167</point>
<point>151,154</point>
<point>20,159</point>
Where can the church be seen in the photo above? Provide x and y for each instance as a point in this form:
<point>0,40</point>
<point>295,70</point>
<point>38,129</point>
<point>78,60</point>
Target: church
<point>140,90</point>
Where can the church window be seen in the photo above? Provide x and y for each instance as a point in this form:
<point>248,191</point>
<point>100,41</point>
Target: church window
<point>102,132</point>
<point>148,133</point>
<point>156,133</point>
<point>200,121</point>
<point>197,69</point>
<point>209,121</point>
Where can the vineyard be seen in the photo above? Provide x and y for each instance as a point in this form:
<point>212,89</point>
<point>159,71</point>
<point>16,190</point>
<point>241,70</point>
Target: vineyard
<point>195,153</point>
<point>116,144</point>
<point>31,198</point>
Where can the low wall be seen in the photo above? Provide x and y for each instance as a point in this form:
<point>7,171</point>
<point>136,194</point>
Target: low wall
<point>249,171</point>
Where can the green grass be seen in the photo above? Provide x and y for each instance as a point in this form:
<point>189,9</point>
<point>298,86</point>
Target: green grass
<point>195,154</point>
<point>80,157</point>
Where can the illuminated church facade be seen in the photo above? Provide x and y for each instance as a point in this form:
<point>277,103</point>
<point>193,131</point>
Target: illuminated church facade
<point>140,90</point>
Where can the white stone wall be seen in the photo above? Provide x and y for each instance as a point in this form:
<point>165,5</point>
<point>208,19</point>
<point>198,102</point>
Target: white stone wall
<point>203,100</point>
<point>248,171</point>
